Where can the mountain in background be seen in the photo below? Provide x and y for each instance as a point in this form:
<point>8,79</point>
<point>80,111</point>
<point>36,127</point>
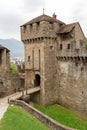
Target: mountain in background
<point>16,47</point>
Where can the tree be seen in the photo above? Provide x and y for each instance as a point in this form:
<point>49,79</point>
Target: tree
<point>13,69</point>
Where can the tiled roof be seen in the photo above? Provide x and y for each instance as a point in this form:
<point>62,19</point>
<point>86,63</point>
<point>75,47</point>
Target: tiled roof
<point>66,28</point>
<point>43,18</point>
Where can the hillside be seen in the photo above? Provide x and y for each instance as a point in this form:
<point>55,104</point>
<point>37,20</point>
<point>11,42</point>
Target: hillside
<point>16,47</point>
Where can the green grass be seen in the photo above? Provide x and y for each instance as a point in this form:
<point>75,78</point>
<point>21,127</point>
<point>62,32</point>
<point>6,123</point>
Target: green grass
<point>64,116</point>
<point>18,119</point>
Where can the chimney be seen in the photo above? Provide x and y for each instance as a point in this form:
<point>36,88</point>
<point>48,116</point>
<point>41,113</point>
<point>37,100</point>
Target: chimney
<point>54,16</point>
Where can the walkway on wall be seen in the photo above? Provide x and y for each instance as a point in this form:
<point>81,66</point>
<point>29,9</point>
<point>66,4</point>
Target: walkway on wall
<point>18,95</point>
<point>3,106</point>
<point>4,101</point>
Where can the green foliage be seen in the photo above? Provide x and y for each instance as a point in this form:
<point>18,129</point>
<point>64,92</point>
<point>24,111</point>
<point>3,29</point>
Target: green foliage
<point>64,116</point>
<point>13,69</point>
<point>18,119</point>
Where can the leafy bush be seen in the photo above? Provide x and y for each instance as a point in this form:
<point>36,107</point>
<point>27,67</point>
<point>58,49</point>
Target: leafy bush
<point>13,69</point>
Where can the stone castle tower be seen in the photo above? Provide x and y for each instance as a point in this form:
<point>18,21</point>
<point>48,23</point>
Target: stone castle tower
<point>55,60</point>
<point>9,83</point>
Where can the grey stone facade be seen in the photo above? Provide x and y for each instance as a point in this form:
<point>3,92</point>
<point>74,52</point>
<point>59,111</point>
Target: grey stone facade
<point>9,83</point>
<point>56,60</point>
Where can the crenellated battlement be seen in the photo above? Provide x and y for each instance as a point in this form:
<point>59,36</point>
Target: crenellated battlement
<point>56,60</point>
<point>39,29</point>
<point>38,40</point>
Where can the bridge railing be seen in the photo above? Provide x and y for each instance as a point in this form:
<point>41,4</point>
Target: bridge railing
<point>22,93</point>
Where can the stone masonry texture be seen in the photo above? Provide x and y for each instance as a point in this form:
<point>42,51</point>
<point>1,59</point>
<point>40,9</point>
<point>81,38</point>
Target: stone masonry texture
<point>56,60</point>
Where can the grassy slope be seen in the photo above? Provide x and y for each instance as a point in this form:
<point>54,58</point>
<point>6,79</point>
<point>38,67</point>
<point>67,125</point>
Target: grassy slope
<point>64,116</point>
<point>17,119</point>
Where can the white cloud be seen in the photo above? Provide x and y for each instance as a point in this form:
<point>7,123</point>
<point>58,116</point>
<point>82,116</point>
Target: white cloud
<point>17,12</point>
<point>9,6</point>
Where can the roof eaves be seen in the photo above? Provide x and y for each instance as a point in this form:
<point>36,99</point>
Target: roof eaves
<point>42,18</point>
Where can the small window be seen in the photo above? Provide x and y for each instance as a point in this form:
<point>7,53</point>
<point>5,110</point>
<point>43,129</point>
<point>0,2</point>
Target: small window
<point>51,47</point>
<point>28,58</point>
<point>1,84</point>
<point>38,25</point>
<point>24,29</point>
<point>68,46</point>
<point>61,47</point>
<point>51,25</point>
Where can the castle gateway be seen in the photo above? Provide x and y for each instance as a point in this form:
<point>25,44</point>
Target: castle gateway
<point>56,61</point>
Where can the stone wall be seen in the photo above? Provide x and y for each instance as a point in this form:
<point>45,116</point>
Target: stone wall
<point>4,60</point>
<point>49,72</point>
<point>44,29</point>
<point>33,61</point>
<point>16,82</point>
<point>34,64</point>
<point>33,52</point>
<point>10,84</point>
<point>71,82</point>
<point>60,59</point>
<point>42,117</point>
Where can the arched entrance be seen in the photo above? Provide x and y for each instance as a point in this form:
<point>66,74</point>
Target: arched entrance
<point>37,80</point>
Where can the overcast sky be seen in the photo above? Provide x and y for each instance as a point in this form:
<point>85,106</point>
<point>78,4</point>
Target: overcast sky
<point>14,13</point>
